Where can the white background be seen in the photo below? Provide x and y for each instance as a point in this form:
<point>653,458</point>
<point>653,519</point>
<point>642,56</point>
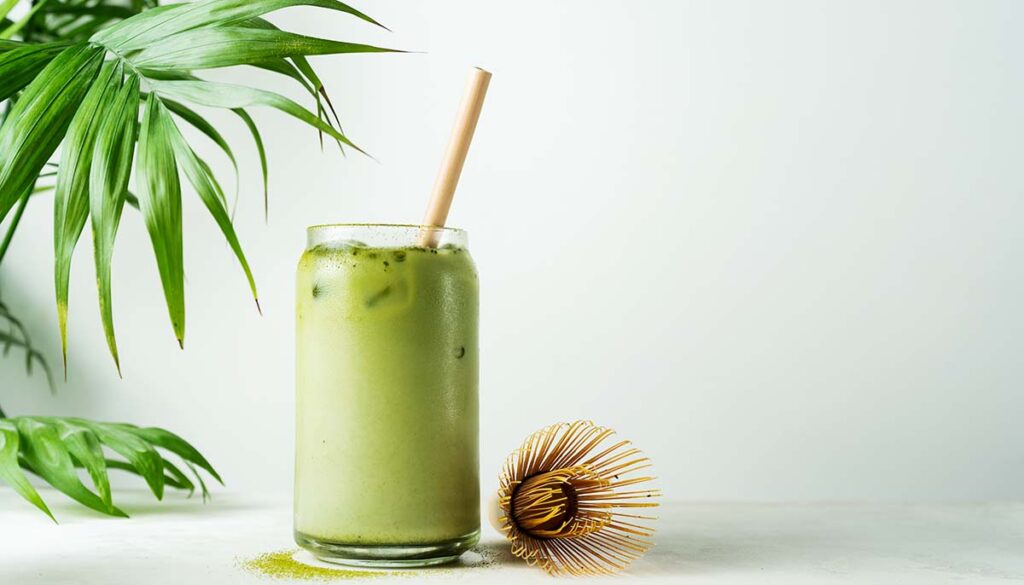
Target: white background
<point>778,245</point>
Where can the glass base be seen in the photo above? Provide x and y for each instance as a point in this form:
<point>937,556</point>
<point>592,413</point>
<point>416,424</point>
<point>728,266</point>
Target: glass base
<point>387,556</point>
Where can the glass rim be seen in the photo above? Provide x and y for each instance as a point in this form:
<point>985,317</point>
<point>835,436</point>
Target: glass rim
<point>323,226</point>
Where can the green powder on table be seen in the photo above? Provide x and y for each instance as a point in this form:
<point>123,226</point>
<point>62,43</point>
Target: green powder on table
<point>282,565</point>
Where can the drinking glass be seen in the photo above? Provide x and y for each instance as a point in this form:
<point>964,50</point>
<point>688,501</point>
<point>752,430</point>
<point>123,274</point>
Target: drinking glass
<point>386,462</point>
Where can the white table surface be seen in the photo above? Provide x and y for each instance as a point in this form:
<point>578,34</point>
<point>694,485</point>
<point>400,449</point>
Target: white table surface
<point>183,541</point>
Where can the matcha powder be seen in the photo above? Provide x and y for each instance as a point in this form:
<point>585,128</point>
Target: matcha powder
<point>281,565</point>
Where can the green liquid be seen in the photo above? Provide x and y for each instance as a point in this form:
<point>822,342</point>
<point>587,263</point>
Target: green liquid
<point>387,400</point>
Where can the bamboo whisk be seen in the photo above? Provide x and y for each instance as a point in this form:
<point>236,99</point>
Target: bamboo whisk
<point>563,504</point>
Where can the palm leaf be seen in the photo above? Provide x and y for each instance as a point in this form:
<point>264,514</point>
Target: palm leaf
<point>138,452</point>
<point>87,451</point>
<point>21,64</point>
<point>6,6</point>
<point>255,132</point>
<point>45,454</point>
<point>71,196</point>
<point>224,46</point>
<point>212,195</point>
<point>225,95</point>
<point>54,447</point>
<point>38,121</point>
<point>285,67</point>
<point>166,21</point>
<point>160,201</point>
<point>74,77</point>
<point>76,20</point>
<point>200,123</point>
<point>167,440</point>
<point>173,476</point>
<point>297,68</point>
<point>108,190</point>
<point>10,471</point>
<point>158,47</point>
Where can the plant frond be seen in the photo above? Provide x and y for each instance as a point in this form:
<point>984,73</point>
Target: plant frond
<point>112,159</point>
<point>6,6</point>
<point>20,65</point>
<point>166,21</point>
<point>39,119</point>
<point>86,95</point>
<point>258,140</point>
<point>53,448</point>
<point>160,203</point>
<point>226,46</point>
<point>210,192</point>
<point>200,123</point>
<point>225,95</point>
<point>71,194</point>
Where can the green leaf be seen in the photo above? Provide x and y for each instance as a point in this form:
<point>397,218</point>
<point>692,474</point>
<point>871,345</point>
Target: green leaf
<point>71,197</point>
<point>209,48</point>
<point>151,44</point>
<point>85,447</point>
<point>48,457</point>
<point>10,471</point>
<point>117,36</point>
<point>224,95</point>
<point>108,188</point>
<point>167,440</point>
<point>40,118</point>
<point>171,478</point>
<point>160,23</point>
<point>53,447</point>
<point>299,69</point>
<point>6,6</point>
<point>177,479</point>
<point>251,125</point>
<point>199,478</point>
<point>20,65</point>
<point>160,201</point>
<point>105,11</point>
<point>210,193</point>
<point>140,453</point>
<point>287,68</point>
<point>132,200</point>
<point>200,123</point>
<point>16,27</point>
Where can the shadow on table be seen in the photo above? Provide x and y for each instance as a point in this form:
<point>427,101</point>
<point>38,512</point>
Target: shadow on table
<point>142,504</point>
<point>182,505</point>
<point>732,541</point>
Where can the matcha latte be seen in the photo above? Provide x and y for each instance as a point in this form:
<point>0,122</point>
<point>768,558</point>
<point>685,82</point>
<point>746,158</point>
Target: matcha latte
<point>386,468</point>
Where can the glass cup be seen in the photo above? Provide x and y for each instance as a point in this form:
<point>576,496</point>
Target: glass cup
<point>386,463</point>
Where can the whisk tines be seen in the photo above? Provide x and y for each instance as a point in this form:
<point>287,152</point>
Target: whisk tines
<point>563,502</point>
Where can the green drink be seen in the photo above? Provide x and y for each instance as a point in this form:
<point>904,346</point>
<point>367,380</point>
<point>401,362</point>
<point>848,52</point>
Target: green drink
<point>386,469</point>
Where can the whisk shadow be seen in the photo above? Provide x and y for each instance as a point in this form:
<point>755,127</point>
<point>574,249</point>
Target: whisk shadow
<point>496,553</point>
<point>680,552</point>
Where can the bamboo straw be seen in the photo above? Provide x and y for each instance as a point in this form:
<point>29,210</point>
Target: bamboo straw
<point>455,157</point>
